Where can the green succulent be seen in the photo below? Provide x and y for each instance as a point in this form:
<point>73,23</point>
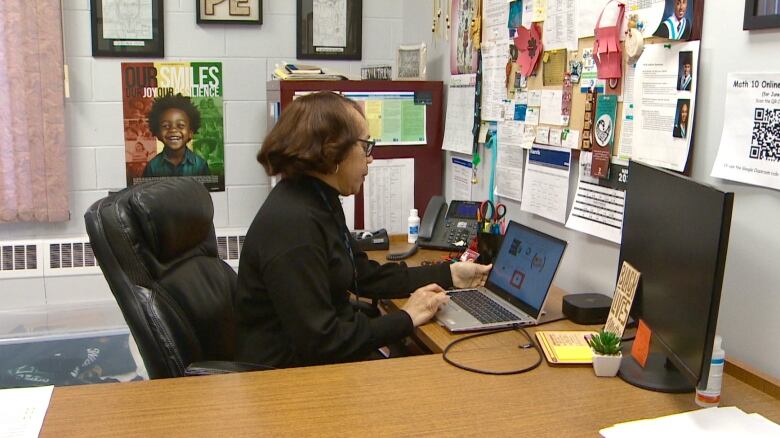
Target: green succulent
<point>605,343</point>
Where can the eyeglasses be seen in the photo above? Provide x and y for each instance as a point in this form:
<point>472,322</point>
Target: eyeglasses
<point>369,145</point>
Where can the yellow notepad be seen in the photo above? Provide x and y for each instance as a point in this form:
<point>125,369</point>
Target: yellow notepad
<point>565,347</point>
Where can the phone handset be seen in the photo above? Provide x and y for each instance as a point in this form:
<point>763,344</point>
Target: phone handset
<point>434,214</point>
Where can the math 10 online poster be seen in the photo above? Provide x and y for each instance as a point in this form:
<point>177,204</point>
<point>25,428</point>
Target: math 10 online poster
<point>173,122</point>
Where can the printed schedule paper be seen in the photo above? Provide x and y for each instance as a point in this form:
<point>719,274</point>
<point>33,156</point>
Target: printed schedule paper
<point>388,194</point>
<point>22,411</point>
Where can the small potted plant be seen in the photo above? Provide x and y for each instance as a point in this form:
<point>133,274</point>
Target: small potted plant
<point>606,353</point>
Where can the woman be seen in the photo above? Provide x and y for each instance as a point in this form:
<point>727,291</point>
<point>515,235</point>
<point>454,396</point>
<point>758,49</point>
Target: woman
<point>299,261</point>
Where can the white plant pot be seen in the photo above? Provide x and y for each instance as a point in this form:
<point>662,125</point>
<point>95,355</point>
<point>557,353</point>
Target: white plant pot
<point>606,366</point>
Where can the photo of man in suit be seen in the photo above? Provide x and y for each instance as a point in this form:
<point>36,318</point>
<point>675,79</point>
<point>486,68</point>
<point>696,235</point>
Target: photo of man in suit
<point>685,75</point>
<point>680,129</point>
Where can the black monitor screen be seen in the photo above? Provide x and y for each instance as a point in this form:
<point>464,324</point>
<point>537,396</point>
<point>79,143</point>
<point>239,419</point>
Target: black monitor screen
<point>675,232</point>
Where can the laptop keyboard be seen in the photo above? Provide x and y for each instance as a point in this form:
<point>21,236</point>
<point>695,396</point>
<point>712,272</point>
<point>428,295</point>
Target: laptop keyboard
<point>481,307</point>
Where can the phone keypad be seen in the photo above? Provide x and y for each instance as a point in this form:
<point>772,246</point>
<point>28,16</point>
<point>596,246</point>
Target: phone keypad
<point>460,231</point>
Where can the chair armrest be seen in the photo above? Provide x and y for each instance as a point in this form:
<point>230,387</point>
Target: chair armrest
<point>209,367</point>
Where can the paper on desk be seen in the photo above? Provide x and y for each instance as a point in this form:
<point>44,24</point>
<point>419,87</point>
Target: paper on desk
<point>713,422</point>
<point>22,411</point>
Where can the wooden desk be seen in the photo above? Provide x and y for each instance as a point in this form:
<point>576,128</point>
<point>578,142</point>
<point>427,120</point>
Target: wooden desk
<point>418,395</point>
<point>414,395</point>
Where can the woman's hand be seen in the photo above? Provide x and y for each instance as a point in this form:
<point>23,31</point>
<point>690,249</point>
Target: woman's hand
<point>469,274</point>
<point>424,303</point>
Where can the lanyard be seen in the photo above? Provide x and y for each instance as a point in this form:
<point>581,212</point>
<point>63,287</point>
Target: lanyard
<point>345,237</point>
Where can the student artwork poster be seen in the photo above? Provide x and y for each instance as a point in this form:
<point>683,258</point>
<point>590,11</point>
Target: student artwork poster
<point>173,122</point>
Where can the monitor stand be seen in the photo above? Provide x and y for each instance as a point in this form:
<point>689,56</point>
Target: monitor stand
<point>658,374</point>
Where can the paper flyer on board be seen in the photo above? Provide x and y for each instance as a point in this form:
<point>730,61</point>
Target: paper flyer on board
<point>749,149</point>
<point>459,120</point>
<point>665,104</point>
<point>546,182</point>
<point>173,121</point>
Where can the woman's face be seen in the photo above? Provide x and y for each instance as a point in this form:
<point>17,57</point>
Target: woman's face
<point>353,169</point>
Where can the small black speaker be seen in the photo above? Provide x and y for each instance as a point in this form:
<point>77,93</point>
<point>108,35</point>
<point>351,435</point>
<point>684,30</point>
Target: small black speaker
<point>589,308</point>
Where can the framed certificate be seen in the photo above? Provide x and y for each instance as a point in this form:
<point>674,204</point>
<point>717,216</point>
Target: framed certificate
<point>125,28</point>
<point>329,29</point>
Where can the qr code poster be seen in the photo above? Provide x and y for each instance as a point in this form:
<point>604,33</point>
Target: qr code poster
<point>750,144</point>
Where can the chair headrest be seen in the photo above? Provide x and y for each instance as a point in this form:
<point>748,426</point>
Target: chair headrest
<point>175,215</point>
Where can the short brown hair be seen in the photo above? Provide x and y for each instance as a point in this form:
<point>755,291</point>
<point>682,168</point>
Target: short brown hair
<point>314,133</point>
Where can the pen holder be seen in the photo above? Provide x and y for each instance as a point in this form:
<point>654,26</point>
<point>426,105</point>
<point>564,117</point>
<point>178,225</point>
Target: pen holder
<point>488,245</point>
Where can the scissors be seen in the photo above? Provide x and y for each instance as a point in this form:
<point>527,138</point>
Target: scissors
<point>492,215</point>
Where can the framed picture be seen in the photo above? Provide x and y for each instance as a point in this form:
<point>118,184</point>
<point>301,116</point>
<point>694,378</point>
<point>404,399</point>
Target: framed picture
<point>125,28</point>
<point>329,29</point>
<point>229,11</point>
<point>761,14</point>
<point>411,62</point>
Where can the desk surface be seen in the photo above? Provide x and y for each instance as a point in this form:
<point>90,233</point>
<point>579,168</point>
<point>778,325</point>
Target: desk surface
<point>413,395</point>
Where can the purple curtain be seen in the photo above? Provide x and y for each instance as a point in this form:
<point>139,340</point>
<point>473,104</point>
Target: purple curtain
<point>33,182</point>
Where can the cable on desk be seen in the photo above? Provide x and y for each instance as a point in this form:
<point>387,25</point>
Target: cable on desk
<point>495,373</point>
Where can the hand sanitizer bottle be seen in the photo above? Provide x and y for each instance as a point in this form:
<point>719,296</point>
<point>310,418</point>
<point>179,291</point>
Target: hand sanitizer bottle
<point>711,396</point>
<point>414,226</point>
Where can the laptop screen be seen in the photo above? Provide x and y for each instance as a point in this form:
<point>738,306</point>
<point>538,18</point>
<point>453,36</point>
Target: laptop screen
<point>525,266</point>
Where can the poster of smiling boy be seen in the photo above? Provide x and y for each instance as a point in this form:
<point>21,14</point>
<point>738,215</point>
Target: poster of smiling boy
<point>173,122</point>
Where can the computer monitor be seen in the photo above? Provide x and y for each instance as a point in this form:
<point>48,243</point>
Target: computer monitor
<point>676,233</point>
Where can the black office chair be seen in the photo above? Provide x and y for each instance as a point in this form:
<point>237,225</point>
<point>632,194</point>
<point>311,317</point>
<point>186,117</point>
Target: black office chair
<point>156,245</point>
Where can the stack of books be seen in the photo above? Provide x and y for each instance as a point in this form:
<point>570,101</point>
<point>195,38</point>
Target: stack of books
<point>302,72</point>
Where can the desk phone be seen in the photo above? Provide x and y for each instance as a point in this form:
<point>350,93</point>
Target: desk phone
<point>451,227</point>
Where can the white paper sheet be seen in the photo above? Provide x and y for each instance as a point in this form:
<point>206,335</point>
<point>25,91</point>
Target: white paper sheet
<point>329,26</point>
<point>546,182</point>
<point>495,16</point>
<point>528,13</point>
<point>22,411</point>
<point>555,137</point>
<point>656,102</point>
<point>494,59</point>
<point>560,27</point>
<point>510,133</point>
<point>128,20</point>
<point>348,205</point>
<point>626,142</point>
<point>459,121</point>
<point>587,14</point>
<point>388,194</point>
<point>721,422</point>
<point>749,150</point>
<point>552,108</point>
<point>597,209</point>
<point>461,178</point>
<point>532,116</point>
<point>543,135</point>
<point>570,138</point>
<point>535,98</point>
<point>529,136</point>
<point>509,168</point>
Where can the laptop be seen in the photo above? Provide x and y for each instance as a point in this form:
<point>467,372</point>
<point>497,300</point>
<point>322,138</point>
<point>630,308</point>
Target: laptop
<point>516,289</point>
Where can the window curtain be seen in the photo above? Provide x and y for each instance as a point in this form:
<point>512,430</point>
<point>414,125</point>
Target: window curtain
<point>33,180</point>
